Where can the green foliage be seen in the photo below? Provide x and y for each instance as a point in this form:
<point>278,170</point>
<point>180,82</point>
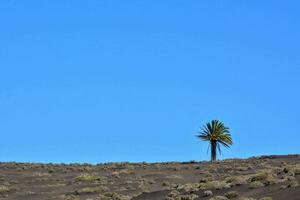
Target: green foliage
<point>217,134</point>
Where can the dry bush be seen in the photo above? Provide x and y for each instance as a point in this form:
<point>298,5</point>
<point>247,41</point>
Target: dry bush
<point>41,174</point>
<point>13,182</point>
<point>288,178</point>
<point>56,185</point>
<point>88,177</point>
<point>173,193</point>
<point>218,185</point>
<point>296,169</point>
<point>4,189</point>
<point>177,196</point>
<point>187,197</point>
<point>206,178</point>
<point>69,197</point>
<point>130,167</point>
<point>165,184</point>
<point>231,194</point>
<point>189,187</point>
<point>256,184</point>
<point>292,170</point>
<point>43,179</point>
<point>113,196</point>
<point>293,184</point>
<point>29,193</point>
<point>266,177</point>
<point>266,198</point>
<point>142,186</point>
<point>219,198</point>
<point>151,182</point>
<point>88,190</point>
<point>242,168</point>
<point>236,180</point>
<point>175,176</point>
<point>123,172</point>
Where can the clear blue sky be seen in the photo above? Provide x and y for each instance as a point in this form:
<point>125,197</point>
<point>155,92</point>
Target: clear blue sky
<point>96,81</point>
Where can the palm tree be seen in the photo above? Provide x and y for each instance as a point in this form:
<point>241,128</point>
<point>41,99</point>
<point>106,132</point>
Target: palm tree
<point>217,134</point>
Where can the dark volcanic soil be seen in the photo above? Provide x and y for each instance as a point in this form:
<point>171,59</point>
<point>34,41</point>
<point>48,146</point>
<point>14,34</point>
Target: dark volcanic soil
<point>277,177</point>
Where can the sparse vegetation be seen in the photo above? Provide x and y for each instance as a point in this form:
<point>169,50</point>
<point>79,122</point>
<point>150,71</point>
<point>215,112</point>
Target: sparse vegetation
<point>87,190</point>
<point>4,189</point>
<point>40,174</point>
<point>231,194</point>
<point>219,198</point>
<point>236,180</point>
<point>266,198</point>
<point>256,184</point>
<point>138,181</point>
<point>177,196</point>
<point>114,196</point>
<point>265,177</point>
<point>88,177</point>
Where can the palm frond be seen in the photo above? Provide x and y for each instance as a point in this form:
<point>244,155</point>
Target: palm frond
<point>217,134</point>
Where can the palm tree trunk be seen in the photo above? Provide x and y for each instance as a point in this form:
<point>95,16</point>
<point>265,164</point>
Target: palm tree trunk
<point>213,151</point>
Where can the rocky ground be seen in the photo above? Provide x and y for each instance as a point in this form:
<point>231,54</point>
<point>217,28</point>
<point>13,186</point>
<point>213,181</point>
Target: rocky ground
<point>261,178</point>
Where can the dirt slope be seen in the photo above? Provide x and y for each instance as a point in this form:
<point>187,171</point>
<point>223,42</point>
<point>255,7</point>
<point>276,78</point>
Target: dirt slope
<point>277,177</point>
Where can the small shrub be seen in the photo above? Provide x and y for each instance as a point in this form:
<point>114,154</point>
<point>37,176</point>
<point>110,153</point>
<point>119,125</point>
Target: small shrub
<point>283,187</point>
<point>115,196</point>
<point>293,184</point>
<point>236,180</point>
<point>246,198</point>
<point>88,177</point>
<point>206,179</point>
<point>174,176</point>
<point>289,178</point>
<point>130,167</point>
<point>190,187</point>
<point>87,190</point>
<point>259,177</point>
<point>173,193</point>
<point>256,184</point>
<point>126,171</point>
<point>29,193</point>
<point>219,198</point>
<point>165,184</point>
<point>266,198</point>
<point>242,168</point>
<point>71,197</point>
<point>292,170</point>
<point>297,169</point>
<point>231,194</point>
<point>264,177</point>
<point>39,174</point>
<point>217,185</point>
<point>4,189</point>
<point>188,197</point>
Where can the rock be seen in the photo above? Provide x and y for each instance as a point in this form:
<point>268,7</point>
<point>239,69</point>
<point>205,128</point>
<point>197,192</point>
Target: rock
<point>208,193</point>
